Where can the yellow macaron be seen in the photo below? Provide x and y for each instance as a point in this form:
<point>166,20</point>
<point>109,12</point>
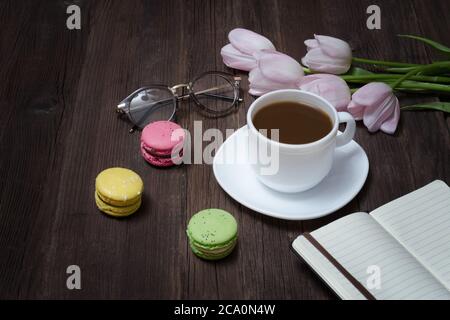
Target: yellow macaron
<point>118,191</point>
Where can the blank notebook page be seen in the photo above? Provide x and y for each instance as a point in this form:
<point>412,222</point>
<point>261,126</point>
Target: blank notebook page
<point>357,241</point>
<point>420,221</point>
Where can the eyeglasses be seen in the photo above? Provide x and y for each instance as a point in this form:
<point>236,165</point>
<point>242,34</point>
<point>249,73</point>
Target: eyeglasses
<point>215,93</point>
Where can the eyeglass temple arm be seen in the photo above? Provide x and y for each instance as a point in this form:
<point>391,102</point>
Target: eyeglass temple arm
<point>205,92</point>
<point>214,96</point>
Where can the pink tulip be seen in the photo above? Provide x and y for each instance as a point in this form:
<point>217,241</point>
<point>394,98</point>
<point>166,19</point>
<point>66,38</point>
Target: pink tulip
<point>329,87</point>
<point>377,106</point>
<point>238,54</point>
<point>328,55</point>
<point>274,71</point>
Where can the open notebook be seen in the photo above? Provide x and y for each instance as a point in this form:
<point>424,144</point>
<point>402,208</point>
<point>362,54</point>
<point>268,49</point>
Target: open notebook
<point>406,242</point>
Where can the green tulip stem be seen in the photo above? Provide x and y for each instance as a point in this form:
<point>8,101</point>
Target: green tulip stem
<point>382,76</point>
<point>415,86</point>
<point>384,63</point>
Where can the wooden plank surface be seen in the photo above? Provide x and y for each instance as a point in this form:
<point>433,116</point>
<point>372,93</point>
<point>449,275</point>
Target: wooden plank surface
<point>58,130</point>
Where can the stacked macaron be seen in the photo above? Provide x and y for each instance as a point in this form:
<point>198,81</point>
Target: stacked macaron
<point>212,234</point>
<point>118,192</point>
<point>162,143</point>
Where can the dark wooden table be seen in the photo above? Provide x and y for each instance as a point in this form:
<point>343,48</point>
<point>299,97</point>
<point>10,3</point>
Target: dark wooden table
<point>58,130</point>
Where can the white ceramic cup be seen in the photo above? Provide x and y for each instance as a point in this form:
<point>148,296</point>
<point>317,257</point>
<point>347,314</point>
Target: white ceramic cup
<point>300,166</point>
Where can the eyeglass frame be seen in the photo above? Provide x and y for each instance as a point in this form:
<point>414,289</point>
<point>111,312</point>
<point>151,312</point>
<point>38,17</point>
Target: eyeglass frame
<point>124,106</point>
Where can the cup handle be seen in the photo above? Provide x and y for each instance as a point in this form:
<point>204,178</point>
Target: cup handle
<point>350,128</point>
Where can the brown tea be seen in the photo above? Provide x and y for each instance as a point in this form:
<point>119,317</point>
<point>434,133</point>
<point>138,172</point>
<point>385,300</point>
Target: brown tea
<point>297,123</point>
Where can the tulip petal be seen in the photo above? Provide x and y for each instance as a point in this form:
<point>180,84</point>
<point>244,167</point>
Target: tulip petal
<point>304,61</point>
<point>279,67</point>
<point>334,47</point>
<point>372,94</point>
<point>318,61</point>
<point>257,79</point>
<point>259,54</point>
<point>263,90</point>
<point>260,85</point>
<point>233,58</point>
<point>378,105</point>
<point>248,41</point>
<point>314,77</point>
<point>257,91</point>
<point>327,55</point>
<point>390,125</point>
<point>329,87</point>
<point>356,110</point>
<point>374,116</point>
<point>311,44</point>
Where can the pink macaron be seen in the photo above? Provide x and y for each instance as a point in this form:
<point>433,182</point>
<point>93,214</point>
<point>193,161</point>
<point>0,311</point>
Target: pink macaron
<point>159,139</point>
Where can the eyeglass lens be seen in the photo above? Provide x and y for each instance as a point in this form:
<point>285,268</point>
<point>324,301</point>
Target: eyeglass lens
<point>214,93</point>
<point>150,105</point>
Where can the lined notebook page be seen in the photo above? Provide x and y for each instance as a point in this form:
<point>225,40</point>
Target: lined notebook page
<point>421,223</point>
<point>357,241</point>
<point>325,269</point>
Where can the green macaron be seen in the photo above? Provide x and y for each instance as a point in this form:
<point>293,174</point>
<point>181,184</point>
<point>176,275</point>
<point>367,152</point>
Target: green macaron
<point>212,234</point>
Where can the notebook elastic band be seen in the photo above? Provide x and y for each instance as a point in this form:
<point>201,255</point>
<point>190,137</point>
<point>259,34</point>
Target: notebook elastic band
<point>362,289</point>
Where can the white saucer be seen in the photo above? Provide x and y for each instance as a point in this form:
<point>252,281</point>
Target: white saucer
<point>235,175</point>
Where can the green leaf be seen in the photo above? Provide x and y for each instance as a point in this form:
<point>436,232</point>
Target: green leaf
<point>430,42</point>
<point>439,106</point>
<point>441,67</point>
<point>435,68</point>
<point>356,71</point>
<point>398,70</point>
